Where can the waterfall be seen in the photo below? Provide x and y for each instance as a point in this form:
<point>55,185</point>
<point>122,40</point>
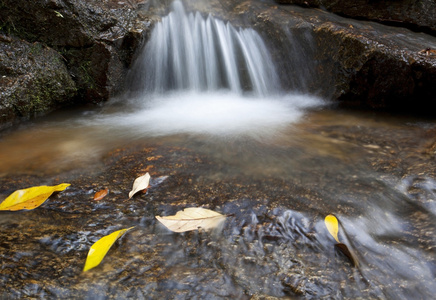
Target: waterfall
<point>200,75</point>
<point>187,51</point>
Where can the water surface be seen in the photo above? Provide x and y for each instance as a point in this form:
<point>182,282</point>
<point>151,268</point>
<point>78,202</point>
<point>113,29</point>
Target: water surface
<point>277,165</point>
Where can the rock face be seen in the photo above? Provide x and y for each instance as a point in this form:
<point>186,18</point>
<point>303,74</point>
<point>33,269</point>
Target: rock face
<point>378,67</point>
<point>34,80</point>
<point>363,63</point>
<point>95,40</point>
<point>95,37</point>
<point>418,15</point>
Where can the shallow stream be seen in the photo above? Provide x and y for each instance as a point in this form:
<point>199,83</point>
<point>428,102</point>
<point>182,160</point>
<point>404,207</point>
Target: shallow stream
<point>278,173</point>
<point>275,162</point>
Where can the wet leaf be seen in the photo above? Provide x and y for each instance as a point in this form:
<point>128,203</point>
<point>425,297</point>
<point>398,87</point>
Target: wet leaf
<point>30,198</point>
<point>99,249</point>
<point>191,219</point>
<point>141,183</point>
<point>344,249</point>
<point>101,194</point>
<point>332,226</point>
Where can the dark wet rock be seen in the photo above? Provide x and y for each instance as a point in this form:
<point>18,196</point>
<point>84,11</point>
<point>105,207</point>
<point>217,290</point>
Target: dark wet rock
<point>97,39</point>
<point>417,15</point>
<point>377,66</point>
<point>359,63</point>
<point>33,80</point>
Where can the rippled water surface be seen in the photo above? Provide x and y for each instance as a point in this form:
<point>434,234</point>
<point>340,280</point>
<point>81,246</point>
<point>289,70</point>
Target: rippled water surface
<point>277,166</point>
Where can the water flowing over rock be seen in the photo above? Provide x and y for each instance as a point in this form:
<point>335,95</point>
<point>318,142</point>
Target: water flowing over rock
<point>355,62</point>
<point>359,63</point>
<point>189,52</point>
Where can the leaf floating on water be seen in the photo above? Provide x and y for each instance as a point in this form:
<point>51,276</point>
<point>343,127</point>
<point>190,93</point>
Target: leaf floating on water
<point>141,183</point>
<point>191,219</point>
<point>30,198</point>
<point>101,194</point>
<point>99,249</point>
<point>332,226</point>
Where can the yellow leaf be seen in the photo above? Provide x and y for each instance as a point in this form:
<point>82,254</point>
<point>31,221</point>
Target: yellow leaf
<point>191,219</point>
<point>30,198</point>
<point>140,184</point>
<point>332,225</point>
<point>99,249</point>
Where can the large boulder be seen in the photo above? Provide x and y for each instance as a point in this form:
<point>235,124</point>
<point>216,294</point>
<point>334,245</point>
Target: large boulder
<point>96,38</point>
<point>417,15</point>
<point>33,80</point>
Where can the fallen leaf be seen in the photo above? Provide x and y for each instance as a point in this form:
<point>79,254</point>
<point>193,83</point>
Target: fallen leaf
<point>140,184</point>
<point>99,249</point>
<point>344,249</point>
<point>30,198</point>
<point>191,219</point>
<point>101,194</point>
<point>332,225</point>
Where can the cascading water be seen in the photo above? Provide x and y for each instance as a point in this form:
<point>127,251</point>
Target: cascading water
<point>189,52</point>
<point>202,75</point>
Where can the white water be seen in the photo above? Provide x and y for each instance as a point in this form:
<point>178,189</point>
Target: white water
<point>220,113</point>
<point>201,75</point>
<point>190,52</point>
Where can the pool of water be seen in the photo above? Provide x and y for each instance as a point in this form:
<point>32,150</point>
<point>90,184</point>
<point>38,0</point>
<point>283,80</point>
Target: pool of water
<point>276,165</point>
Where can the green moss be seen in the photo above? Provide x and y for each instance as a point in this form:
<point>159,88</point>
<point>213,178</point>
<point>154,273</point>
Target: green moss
<point>36,48</point>
<point>88,79</point>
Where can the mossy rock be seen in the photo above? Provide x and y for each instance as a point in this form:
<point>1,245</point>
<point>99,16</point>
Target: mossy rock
<point>33,80</point>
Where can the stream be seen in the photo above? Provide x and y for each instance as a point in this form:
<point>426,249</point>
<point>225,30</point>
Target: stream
<point>231,141</point>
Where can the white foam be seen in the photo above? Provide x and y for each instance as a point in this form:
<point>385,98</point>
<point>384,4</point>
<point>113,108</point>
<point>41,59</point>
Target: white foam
<point>219,114</point>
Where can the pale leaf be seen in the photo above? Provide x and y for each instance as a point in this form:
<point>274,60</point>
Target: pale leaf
<point>30,198</point>
<point>191,219</point>
<point>99,249</point>
<point>140,184</point>
<point>332,226</point>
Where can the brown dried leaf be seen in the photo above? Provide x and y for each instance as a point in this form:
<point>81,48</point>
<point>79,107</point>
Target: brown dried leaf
<point>101,194</point>
<point>344,249</point>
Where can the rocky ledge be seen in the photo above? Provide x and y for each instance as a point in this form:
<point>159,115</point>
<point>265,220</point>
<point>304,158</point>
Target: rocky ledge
<point>359,63</point>
<point>416,15</point>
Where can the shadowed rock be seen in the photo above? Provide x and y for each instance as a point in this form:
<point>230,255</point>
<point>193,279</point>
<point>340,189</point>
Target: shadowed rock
<point>417,15</point>
<point>34,80</point>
